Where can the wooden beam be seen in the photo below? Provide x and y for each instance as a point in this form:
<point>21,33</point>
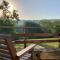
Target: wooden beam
<point>22,52</point>
<point>33,34</point>
<point>35,41</point>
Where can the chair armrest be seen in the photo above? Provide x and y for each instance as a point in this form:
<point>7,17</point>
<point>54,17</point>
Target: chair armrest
<point>25,50</point>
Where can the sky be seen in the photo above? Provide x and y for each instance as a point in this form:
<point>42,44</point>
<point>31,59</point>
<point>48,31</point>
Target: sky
<point>37,9</point>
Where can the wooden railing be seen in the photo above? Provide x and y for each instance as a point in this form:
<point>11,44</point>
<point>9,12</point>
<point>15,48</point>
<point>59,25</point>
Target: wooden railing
<point>26,35</point>
<point>33,34</point>
<point>35,41</point>
<point>26,40</point>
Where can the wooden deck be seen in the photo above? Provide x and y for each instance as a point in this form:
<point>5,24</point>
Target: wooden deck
<point>50,55</point>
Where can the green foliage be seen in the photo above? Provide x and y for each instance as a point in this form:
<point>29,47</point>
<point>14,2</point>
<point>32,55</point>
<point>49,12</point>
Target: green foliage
<point>8,18</point>
<point>6,22</point>
<point>56,27</point>
<point>51,26</point>
<point>32,27</point>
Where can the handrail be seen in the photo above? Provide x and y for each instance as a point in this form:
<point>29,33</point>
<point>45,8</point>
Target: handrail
<point>33,34</point>
<point>25,41</point>
<point>22,52</point>
<point>35,41</point>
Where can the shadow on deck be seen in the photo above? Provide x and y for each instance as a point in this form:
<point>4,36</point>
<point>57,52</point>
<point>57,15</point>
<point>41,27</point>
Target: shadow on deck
<point>50,55</point>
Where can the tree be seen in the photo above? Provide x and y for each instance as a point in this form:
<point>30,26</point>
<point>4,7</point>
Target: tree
<point>4,8</point>
<point>7,19</point>
<point>15,15</point>
<point>11,26</point>
<point>52,26</point>
<point>56,26</point>
<point>6,13</point>
<point>32,27</point>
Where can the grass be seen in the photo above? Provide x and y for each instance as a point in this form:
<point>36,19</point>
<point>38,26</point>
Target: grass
<point>46,39</point>
<point>19,47</point>
<point>49,45</point>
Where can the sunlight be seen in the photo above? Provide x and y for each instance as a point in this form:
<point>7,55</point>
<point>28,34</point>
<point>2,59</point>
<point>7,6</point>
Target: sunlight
<point>1,13</point>
<point>10,8</point>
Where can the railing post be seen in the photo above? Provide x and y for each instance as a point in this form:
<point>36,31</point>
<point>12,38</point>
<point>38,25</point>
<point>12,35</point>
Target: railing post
<point>24,37</point>
<point>25,42</point>
<point>59,40</point>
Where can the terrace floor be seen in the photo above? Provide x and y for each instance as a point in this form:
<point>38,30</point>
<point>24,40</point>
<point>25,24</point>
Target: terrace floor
<point>47,55</point>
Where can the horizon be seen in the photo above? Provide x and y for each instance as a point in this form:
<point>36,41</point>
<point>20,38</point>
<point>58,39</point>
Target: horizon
<point>43,19</point>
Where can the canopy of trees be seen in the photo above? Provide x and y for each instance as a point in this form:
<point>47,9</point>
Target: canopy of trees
<point>51,26</point>
<point>32,27</point>
<point>42,26</point>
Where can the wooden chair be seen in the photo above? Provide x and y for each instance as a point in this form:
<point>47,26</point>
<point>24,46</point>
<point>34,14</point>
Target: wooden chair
<point>8,52</point>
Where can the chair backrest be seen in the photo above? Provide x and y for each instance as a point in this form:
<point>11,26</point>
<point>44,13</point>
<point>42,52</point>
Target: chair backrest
<point>7,50</point>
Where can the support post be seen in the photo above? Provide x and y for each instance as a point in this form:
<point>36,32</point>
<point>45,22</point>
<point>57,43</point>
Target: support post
<point>59,40</point>
<point>24,37</point>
